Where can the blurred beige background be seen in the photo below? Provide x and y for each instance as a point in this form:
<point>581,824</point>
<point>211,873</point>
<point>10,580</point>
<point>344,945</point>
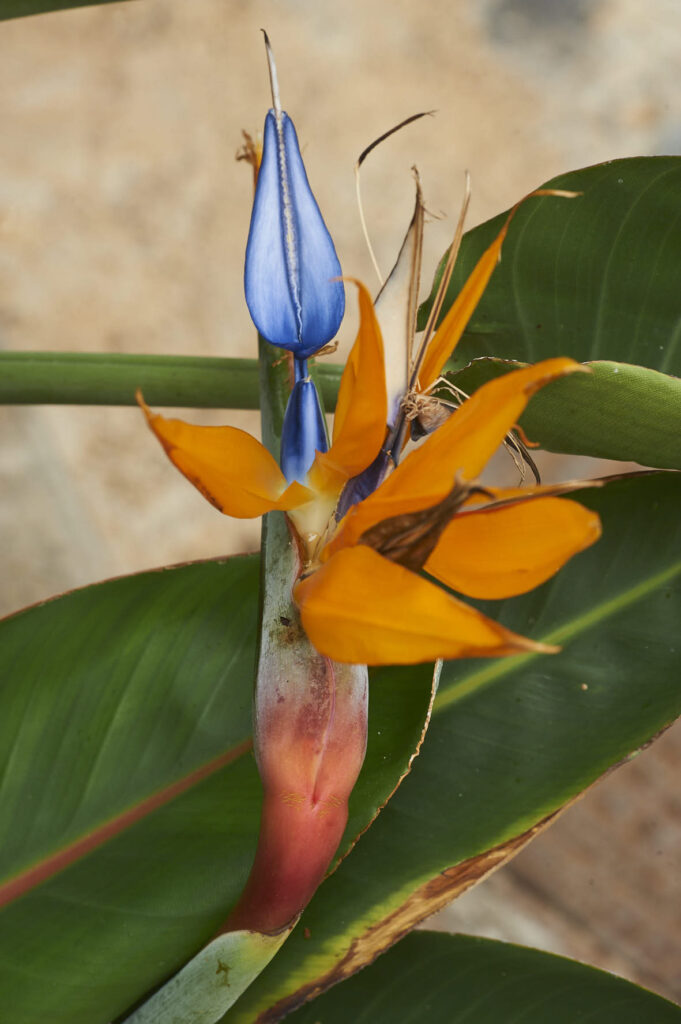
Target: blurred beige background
<point>123,220</point>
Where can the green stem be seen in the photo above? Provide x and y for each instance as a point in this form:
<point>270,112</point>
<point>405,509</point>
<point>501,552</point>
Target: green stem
<point>75,378</point>
<point>310,718</point>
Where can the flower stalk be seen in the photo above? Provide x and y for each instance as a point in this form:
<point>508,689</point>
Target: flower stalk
<point>310,719</point>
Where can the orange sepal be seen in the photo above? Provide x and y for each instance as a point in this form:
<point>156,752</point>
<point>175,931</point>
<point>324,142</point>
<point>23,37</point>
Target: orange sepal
<point>448,334</point>
<point>462,445</point>
<point>233,470</point>
<point>510,550</point>
<point>361,608</point>
<point>359,425</point>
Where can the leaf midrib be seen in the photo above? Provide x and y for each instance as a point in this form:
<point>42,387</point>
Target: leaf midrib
<point>561,635</point>
<point>19,885</point>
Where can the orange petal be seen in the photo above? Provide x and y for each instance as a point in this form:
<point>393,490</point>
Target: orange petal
<point>359,424</point>
<point>231,469</point>
<point>361,608</point>
<point>448,334</point>
<point>463,444</point>
<point>510,550</point>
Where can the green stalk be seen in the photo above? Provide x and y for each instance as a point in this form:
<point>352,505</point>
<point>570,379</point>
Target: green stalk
<point>75,378</point>
<point>310,719</point>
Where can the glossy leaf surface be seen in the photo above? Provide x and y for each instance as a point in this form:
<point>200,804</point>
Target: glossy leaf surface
<point>510,741</point>
<point>155,681</point>
<point>128,779</point>
<point>594,277</point>
<point>576,414</point>
<point>452,979</point>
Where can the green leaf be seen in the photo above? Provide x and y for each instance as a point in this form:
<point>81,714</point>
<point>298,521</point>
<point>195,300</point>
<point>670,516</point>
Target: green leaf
<point>510,741</point>
<point>617,411</point>
<point>130,801</point>
<point>446,979</point>
<point>21,8</point>
<point>594,277</point>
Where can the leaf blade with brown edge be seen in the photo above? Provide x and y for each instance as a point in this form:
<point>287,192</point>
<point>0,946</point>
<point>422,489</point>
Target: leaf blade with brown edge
<point>513,740</point>
<point>426,900</point>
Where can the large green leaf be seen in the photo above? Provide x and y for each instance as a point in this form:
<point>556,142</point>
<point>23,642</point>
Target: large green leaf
<point>21,8</point>
<point>510,741</point>
<point>128,787</point>
<point>617,411</point>
<point>447,979</point>
<point>154,683</point>
<point>596,277</point>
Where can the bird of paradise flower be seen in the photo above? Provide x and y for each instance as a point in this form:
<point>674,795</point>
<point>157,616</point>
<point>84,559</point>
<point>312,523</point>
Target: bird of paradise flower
<point>366,520</point>
<point>361,594</point>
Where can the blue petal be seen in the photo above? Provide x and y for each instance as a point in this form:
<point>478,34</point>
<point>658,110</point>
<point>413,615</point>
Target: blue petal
<point>364,484</point>
<point>290,257</point>
<point>303,433</point>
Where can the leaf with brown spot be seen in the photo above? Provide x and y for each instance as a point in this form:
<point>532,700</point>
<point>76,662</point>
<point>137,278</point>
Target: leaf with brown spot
<point>426,900</point>
<point>512,740</point>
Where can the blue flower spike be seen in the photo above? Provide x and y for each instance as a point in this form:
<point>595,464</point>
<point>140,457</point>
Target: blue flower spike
<point>291,262</point>
<point>304,430</point>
